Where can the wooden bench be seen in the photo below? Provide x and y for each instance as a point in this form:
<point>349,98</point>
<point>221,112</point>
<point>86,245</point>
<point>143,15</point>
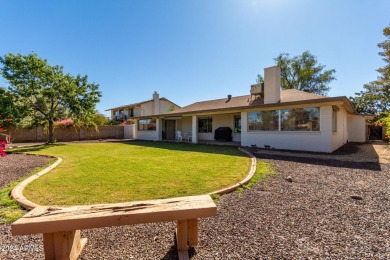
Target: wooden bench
<point>61,225</point>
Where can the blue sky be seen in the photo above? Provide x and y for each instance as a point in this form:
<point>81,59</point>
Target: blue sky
<point>190,51</point>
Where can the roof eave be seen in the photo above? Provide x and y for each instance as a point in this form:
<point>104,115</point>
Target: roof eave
<point>284,104</point>
<point>140,103</point>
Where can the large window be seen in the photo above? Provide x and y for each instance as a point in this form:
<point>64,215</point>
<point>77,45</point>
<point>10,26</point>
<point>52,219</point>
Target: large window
<point>237,124</point>
<point>205,125</point>
<point>293,119</point>
<point>263,121</point>
<point>300,119</point>
<point>147,124</point>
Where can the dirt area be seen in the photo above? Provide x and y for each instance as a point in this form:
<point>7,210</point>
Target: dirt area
<point>332,206</point>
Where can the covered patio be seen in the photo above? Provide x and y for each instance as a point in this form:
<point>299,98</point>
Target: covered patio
<point>200,128</point>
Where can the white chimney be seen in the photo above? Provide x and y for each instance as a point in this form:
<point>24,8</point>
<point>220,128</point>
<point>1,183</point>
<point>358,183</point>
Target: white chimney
<point>156,103</point>
<point>271,85</point>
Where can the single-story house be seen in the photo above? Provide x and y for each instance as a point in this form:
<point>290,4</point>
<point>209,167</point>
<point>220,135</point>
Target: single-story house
<point>267,117</point>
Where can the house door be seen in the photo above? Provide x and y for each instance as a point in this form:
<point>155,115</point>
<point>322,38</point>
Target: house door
<point>170,129</point>
<point>375,132</point>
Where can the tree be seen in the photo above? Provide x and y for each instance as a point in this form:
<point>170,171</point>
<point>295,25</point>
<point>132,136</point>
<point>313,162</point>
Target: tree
<point>100,119</point>
<point>259,79</point>
<point>47,91</point>
<point>375,98</point>
<point>304,73</point>
<point>11,109</point>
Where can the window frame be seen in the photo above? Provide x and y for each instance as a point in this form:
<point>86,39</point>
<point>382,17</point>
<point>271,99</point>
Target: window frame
<point>237,124</point>
<point>334,119</point>
<point>147,126</point>
<point>209,125</point>
<point>263,124</point>
<point>297,115</point>
<point>279,126</point>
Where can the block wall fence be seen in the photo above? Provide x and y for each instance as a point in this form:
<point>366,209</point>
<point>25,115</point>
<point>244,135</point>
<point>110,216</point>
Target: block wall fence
<point>65,134</point>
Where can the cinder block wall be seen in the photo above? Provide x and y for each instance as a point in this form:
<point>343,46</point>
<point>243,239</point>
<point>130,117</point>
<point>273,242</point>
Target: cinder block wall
<point>65,134</point>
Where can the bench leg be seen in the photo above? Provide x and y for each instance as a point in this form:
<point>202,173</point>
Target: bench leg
<point>182,235</point>
<point>186,235</point>
<point>192,232</point>
<point>63,245</point>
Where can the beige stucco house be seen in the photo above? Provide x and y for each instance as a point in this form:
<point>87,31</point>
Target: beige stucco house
<point>267,117</point>
<point>154,106</point>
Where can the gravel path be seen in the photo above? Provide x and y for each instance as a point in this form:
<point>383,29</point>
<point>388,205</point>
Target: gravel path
<point>313,216</point>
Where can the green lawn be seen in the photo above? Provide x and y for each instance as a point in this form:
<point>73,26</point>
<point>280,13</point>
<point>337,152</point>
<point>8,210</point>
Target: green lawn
<point>116,172</point>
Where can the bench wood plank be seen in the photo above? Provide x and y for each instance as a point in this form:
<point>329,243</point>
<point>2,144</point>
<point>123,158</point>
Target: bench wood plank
<point>61,225</point>
<point>46,219</point>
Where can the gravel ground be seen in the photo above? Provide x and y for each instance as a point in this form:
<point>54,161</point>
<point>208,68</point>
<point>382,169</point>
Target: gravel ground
<point>313,216</point>
<point>15,166</point>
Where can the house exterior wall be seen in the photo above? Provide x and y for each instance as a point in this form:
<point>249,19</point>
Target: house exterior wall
<point>291,140</point>
<point>186,124</point>
<point>128,131</point>
<point>357,130</point>
<point>340,137</point>
<point>165,106</point>
<point>137,111</point>
<point>147,135</point>
<point>147,108</point>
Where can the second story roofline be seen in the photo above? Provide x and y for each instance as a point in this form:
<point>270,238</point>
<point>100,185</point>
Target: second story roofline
<point>140,103</point>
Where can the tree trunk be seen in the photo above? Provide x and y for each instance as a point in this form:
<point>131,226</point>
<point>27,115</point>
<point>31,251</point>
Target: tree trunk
<point>51,131</point>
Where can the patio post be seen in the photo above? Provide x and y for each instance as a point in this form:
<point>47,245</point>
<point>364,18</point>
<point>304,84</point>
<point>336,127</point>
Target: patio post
<point>159,129</point>
<point>194,129</point>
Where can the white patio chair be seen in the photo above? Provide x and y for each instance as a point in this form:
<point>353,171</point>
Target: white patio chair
<point>188,137</point>
<point>179,137</point>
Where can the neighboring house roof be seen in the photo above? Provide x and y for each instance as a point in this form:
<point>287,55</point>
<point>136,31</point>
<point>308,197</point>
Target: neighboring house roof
<point>288,97</point>
<point>140,103</point>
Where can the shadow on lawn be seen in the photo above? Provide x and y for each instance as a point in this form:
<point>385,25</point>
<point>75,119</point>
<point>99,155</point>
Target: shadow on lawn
<point>187,147</point>
<point>30,149</point>
<point>331,160</point>
<point>202,148</point>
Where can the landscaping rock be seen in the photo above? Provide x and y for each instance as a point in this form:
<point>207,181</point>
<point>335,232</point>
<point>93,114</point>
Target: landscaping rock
<point>16,166</point>
<point>356,197</point>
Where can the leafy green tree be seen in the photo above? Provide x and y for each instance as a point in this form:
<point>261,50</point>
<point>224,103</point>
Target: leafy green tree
<point>12,112</point>
<point>375,98</point>
<point>388,127</point>
<point>100,119</point>
<point>304,73</point>
<point>47,91</point>
<point>259,79</point>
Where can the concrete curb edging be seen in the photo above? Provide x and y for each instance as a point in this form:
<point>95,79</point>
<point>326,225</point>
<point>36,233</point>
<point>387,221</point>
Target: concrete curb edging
<point>17,191</point>
<point>252,172</point>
